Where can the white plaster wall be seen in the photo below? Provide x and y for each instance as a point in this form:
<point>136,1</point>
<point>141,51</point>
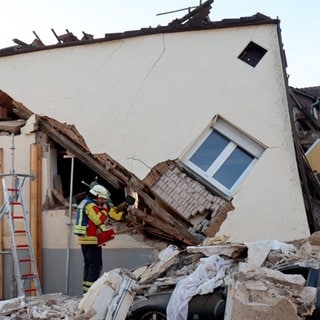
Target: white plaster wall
<point>16,160</point>
<point>146,99</point>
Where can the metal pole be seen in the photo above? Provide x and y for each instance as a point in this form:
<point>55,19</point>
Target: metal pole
<point>69,228</point>
<point>12,154</point>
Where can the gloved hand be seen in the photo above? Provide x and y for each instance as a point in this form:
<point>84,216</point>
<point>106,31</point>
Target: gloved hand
<point>103,227</point>
<point>116,214</point>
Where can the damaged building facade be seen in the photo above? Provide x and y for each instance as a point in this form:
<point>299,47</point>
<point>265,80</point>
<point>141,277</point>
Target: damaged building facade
<point>143,110</point>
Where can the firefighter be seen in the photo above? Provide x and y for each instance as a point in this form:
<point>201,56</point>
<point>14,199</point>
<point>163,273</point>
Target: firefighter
<point>91,217</point>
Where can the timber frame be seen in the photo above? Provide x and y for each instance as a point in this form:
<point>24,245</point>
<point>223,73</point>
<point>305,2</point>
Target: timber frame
<point>159,219</point>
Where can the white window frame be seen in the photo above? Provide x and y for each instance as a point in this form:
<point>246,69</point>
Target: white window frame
<point>237,138</point>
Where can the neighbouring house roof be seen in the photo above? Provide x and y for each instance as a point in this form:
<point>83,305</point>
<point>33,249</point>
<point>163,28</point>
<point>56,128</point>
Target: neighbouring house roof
<point>196,19</point>
<point>304,107</point>
<point>313,91</point>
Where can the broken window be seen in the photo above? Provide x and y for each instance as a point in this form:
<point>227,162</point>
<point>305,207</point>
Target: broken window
<point>252,54</point>
<point>223,156</point>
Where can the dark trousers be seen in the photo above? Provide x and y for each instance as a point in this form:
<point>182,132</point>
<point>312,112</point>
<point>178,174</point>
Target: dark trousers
<point>92,256</point>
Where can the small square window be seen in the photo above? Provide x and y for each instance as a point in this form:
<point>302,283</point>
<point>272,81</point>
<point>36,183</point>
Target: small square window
<point>252,54</point>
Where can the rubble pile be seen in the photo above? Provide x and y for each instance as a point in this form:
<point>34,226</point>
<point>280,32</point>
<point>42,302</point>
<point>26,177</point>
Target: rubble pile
<point>266,294</point>
<point>262,281</point>
<point>48,306</point>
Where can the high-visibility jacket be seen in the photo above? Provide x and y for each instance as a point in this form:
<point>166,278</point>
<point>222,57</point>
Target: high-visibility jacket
<point>89,221</point>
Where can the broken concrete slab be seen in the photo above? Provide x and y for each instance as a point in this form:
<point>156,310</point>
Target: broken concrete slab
<point>229,250</point>
<point>102,299</point>
<point>258,251</point>
<point>263,293</point>
<point>244,307</point>
<point>11,305</point>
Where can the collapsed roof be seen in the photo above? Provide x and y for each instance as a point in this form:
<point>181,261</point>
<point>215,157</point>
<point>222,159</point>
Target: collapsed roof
<point>304,110</point>
<point>185,222</point>
<point>196,18</point>
<point>158,213</point>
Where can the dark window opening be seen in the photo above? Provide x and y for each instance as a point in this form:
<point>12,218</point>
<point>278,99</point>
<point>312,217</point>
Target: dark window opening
<point>252,54</point>
<point>81,172</point>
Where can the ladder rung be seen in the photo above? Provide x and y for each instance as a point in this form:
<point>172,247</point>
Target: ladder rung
<point>15,203</point>
<point>28,276</point>
<point>13,189</point>
<point>17,217</point>
<point>30,290</point>
<point>20,246</point>
<point>20,231</point>
<point>25,260</point>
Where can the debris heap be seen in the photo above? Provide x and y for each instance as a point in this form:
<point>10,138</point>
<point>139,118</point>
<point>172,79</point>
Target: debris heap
<point>261,279</point>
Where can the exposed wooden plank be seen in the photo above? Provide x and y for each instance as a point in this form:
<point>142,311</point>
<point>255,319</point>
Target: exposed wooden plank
<point>21,111</point>
<point>60,198</point>
<point>57,183</point>
<point>194,17</point>
<point>113,167</point>
<point>35,203</point>
<point>5,100</point>
<point>162,225</point>
<point>68,130</point>
<point>3,113</point>
<point>84,157</point>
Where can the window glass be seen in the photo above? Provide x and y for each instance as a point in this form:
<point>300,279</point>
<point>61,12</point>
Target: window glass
<point>210,149</point>
<point>234,166</point>
<point>224,156</point>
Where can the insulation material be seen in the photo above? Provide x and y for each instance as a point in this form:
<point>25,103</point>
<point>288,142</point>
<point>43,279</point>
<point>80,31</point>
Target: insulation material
<point>313,156</point>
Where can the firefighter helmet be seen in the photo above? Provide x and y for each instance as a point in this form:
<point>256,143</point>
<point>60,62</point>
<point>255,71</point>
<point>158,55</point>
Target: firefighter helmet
<point>100,191</point>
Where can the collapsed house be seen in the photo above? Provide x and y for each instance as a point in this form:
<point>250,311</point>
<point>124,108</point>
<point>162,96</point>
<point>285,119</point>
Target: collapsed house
<point>142,110</point>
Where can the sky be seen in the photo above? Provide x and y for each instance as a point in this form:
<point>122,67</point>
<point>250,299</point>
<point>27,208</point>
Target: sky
<point>299,23</point>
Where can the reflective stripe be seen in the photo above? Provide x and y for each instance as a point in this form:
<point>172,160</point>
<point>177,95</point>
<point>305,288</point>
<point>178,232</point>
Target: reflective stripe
<point>95,214</point>
<point>103,227</point>
<point>79,230</point>
<point>88,240</point>
<point>80,227</point>
<point>86,285</point>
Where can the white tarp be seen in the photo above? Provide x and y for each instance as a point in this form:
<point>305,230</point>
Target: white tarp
<point>208,275</point>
